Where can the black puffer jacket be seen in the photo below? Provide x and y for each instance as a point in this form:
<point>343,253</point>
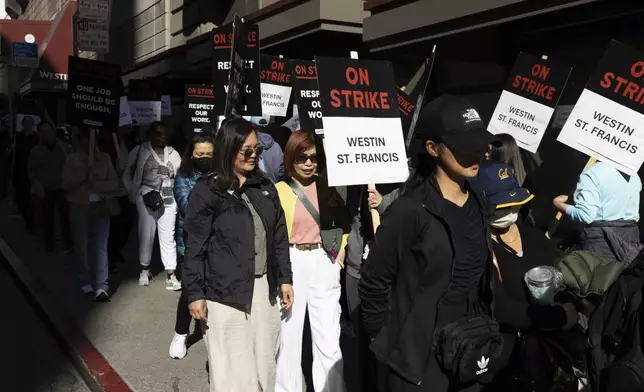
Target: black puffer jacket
<point>219,264</point>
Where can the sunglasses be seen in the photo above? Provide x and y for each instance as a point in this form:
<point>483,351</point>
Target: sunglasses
<point>249,152</point>
<point>303,158</point>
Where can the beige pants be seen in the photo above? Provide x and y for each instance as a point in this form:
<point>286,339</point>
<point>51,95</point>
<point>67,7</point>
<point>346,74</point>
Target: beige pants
<point>242,347</point>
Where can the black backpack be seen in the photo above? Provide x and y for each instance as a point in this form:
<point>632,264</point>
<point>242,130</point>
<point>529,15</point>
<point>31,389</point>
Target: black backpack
<point>614,347</point>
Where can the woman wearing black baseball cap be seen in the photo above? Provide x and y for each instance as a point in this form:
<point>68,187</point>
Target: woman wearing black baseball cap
<point>426,286</point>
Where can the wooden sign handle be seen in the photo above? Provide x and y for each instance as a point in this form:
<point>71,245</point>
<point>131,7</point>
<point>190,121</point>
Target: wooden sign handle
<point>90,153</point>
<point>375,216</point>
<point>553,226</point>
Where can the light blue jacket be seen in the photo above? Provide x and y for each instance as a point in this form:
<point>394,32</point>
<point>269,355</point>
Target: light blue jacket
<point>605,194</point>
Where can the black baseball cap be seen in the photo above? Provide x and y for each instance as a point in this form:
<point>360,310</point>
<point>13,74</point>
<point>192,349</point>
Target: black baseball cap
<point>456,122</point>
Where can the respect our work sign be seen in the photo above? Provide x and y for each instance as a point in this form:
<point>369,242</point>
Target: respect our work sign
<point>529,99</point>
<point>362,127</point>
<point>307,95</point>
<point>606,123</point>
<point>200,105</point>
<point>248,51</point>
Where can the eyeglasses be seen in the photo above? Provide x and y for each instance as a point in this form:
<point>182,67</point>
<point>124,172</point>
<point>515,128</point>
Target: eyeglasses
<point>249,152</point>
<point>303,158</point>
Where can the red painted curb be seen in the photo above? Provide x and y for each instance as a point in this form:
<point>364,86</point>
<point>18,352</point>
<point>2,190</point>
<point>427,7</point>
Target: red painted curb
<point>97,373</point>
<point>105,375</point>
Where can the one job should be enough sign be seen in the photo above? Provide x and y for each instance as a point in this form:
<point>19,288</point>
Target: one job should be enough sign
<point>608,120</point>
<point>528,100</point>
<point>362,129</point>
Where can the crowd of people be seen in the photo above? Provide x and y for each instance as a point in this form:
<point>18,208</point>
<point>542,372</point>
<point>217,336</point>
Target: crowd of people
<point>256,241</point>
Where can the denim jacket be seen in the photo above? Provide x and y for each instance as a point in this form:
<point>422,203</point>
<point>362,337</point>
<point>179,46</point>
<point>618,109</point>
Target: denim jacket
<point>182,187</point>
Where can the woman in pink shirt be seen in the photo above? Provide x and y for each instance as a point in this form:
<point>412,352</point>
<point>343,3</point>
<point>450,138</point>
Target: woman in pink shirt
<point>318,225</point>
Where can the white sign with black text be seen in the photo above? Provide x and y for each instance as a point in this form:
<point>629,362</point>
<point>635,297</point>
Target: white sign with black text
<point>166,105</point>
<point>528,100</point>
<point>362,128</point>
<point>125,117</point>
<point>607,121</point>
<point>98,10</point>
<point>275,99</point>
<point>93,36</point>
<point>145,112</point>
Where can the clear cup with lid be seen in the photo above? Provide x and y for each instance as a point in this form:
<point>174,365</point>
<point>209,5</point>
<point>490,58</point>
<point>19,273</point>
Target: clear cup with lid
<point>543,284</point>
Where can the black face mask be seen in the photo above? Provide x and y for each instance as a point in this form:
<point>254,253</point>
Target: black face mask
<point>203,165</point>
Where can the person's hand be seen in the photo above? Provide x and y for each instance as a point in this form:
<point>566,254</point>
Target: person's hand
<point>199,309</point>
<point>286,295</point>
<point>375,198</point>
<point>562,198</point>
<point>560,202</point>
<point>572,316</point>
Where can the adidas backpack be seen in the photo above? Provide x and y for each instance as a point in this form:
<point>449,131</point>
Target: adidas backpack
<point>614,346</point>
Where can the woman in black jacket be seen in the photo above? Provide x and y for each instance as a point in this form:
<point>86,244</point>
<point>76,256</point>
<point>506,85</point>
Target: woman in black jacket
<point>431,263</point>
<point>237,262</point>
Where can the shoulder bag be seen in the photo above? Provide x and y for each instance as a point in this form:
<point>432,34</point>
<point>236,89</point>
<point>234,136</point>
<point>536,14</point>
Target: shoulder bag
<point>331,238</point>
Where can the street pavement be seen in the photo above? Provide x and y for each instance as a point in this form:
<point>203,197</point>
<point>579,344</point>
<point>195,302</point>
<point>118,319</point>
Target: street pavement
<point>32,359</point>
<point>132,332</point>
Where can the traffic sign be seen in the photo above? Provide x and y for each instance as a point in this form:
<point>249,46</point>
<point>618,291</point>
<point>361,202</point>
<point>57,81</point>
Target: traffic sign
<point>24,54</point>
<point>97,10</point>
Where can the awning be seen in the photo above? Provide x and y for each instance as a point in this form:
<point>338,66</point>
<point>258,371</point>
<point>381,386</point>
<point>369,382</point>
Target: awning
<point>54,51</point>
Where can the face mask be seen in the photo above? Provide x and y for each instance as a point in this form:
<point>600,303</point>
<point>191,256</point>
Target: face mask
<point>203,165</point>
<point>504,219</point>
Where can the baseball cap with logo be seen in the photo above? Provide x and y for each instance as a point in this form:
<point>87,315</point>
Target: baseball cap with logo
<point>497,183</point>
<point>455,122</point>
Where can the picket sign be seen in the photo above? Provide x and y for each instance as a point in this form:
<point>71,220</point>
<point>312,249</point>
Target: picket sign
<point>553,226</point>
<point>375,216</point>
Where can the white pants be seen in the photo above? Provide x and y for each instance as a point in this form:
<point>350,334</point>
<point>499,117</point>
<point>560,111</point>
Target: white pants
<point>162,220</point>
<point>242,346</point>
<point>316,286</point>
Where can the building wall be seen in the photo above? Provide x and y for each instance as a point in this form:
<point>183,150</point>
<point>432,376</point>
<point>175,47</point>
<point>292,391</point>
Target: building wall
<point>42,9</point>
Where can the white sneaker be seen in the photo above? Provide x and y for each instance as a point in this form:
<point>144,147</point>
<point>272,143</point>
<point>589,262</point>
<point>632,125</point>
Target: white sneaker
<point>144,278</point>
<point>172,283</point>
<point>178,346</point>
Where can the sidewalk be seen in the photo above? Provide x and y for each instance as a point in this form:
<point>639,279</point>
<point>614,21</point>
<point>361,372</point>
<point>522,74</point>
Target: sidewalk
<point>133,331</point>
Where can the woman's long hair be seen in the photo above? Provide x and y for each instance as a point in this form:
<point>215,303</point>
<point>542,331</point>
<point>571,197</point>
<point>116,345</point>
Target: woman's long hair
<point>229,140</point>
<point>187,168</point>
<point>508,152</point>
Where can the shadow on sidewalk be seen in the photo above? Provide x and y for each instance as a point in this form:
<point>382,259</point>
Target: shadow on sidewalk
<point>136,325</point>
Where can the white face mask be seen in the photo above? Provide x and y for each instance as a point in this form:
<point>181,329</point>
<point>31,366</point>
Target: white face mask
<point>503,219</point>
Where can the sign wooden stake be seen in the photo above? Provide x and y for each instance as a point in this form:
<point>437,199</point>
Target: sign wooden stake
<point>375,216</point>
<point>92,149</point>
<point>553,226</point>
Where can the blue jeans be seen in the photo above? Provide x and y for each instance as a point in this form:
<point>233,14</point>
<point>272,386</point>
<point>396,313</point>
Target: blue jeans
<point>90,227</point>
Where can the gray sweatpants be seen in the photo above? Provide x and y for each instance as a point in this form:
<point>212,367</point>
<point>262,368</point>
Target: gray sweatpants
<point>242,347</point>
